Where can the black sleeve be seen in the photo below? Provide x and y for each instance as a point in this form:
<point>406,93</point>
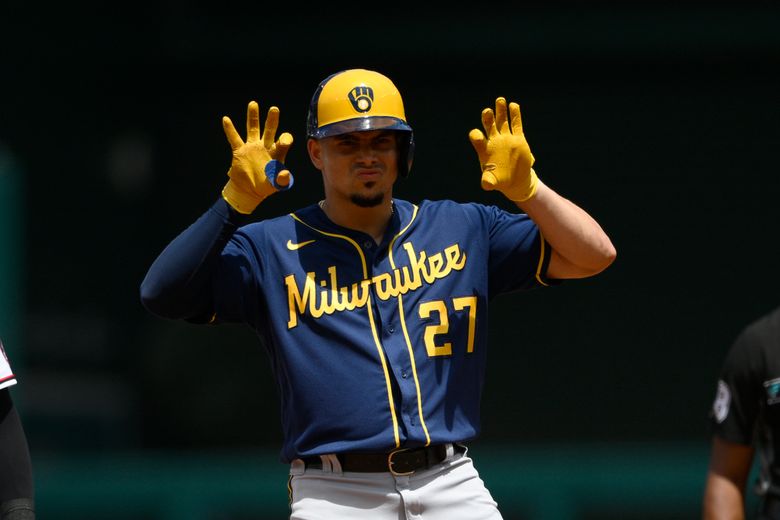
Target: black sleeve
<point>16,479</point>
<point>177,285</point>
<point>737,403</point>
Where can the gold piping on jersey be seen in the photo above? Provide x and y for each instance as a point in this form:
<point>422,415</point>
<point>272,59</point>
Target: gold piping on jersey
<point>369,307</point>
<point>541,261</point>
<point>406,332</point>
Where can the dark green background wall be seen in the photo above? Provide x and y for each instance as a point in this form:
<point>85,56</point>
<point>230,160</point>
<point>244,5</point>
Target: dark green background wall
<point>661,121</point>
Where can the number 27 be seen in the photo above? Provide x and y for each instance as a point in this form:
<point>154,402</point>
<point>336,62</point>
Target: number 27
<point>443,326</point>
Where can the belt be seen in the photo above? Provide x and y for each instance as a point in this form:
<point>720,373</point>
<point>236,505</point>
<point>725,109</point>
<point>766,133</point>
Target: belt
<point>402,461</point>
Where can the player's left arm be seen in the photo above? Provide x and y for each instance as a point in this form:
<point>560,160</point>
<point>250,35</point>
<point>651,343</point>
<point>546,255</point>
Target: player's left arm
<point>16,477</point>
<point>724,489</point>
<point>580,246</point>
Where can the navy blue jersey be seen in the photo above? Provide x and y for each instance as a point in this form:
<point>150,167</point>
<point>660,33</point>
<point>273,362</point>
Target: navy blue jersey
<point>374,346</point>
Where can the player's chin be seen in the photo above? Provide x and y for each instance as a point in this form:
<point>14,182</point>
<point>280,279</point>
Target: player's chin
<point>370,188</point>
<point>368,200</point>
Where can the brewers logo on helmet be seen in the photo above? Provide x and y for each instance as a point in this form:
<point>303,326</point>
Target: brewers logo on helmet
<point>359,100</point>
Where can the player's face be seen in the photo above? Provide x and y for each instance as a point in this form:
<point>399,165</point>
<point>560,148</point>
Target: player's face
<point>360,166</point>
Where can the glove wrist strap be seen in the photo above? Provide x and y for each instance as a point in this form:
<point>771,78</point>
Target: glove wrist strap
<point>529,192</point>
<point>239,199</point>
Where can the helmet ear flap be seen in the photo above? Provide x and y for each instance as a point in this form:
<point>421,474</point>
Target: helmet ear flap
<point>405,153</point>
<point>312,123</point>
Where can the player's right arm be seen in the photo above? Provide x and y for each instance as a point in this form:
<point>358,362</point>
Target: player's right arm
<point>177,285</point>
<point>724,492</point>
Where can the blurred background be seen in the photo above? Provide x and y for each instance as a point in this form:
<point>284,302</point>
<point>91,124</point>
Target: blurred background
<point>660,119</point>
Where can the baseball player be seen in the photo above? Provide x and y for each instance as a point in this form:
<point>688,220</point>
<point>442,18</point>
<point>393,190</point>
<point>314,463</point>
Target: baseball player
<point>745,417</point>
<point>16,483</point>
<point>373,309</point>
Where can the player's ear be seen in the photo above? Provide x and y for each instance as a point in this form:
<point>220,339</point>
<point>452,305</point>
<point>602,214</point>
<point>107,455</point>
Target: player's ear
<point>315,153</point>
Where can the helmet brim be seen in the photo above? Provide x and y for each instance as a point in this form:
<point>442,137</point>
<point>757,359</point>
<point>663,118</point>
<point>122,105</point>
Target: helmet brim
<point>361,124</point>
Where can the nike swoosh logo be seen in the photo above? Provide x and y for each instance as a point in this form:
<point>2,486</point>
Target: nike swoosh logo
<point>295,247</point>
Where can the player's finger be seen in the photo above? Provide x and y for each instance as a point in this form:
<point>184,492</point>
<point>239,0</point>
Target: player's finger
<point>514,117</point>
<point>478,141</point>
<point>252,122</point>
<point>232,135</point>
<point>489,122</point>
<point>282,146</point>
<point>283,178</point>
<point>502,124</point>
<point>271,124</point>
<point>489,181</point>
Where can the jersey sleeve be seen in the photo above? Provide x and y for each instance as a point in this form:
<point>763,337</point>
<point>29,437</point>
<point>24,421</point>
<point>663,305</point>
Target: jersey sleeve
<point>238,280</point>
<point>519,254</point>
<point>7,376</point>
<point>737,402</point>
<point>178,284</point>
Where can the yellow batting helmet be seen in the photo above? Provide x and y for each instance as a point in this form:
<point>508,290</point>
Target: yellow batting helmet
<point>358,100</point>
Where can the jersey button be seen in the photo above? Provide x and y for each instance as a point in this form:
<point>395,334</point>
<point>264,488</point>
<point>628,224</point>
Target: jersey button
<point>390,329</point>
<point>367,244</point>
<point>404,375</point>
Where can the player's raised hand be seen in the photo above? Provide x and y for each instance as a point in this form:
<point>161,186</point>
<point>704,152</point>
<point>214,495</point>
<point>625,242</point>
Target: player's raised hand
<point>504,154</point>
<point>257,169</point>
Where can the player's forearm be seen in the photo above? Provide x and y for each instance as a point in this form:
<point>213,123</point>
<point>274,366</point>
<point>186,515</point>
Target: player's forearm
<point>177,284</point>
<point>573,234</point>
<point>723,499</point>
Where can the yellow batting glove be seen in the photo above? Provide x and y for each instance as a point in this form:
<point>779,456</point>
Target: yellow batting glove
<point>504,154</point>
<point>257,169</point>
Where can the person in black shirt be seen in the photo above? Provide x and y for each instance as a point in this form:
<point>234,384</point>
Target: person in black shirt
<point>745,421</point>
